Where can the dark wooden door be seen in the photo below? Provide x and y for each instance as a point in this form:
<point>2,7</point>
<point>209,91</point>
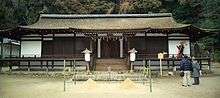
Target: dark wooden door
<point>110,48</point>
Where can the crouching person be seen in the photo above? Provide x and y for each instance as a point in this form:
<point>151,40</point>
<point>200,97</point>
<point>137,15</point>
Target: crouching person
<point>196,71</point>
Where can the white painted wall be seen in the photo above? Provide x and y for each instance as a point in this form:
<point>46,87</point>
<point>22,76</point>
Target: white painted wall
<point>173,49</point>
<point>31,48</point>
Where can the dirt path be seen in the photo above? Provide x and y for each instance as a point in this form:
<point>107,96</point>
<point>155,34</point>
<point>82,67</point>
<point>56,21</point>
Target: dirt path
<point>25,87</point>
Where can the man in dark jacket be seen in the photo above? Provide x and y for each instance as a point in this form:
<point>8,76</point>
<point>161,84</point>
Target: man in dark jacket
<point>196,71</point>
<point>186,67</point>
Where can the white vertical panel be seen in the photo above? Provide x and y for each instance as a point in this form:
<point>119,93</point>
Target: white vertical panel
<point>99,48</point>
<point>121,47</point>
<point>31,48</point>
<point>173,49</point>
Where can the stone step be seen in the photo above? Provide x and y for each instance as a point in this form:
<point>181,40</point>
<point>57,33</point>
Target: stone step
<point>114,64</point>
<point>112,69</point>
<point>111,61</point>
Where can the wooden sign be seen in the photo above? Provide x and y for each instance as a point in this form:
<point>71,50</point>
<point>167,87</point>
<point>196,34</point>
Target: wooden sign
<point>160,56</point>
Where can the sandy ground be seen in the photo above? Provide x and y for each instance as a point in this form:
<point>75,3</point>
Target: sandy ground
<point>12,86</point>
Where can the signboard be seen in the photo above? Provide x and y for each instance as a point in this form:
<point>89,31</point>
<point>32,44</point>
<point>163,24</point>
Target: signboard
<point>160,56</point>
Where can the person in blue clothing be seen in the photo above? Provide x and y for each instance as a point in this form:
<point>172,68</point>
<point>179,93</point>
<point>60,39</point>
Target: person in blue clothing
<point>186,67</point>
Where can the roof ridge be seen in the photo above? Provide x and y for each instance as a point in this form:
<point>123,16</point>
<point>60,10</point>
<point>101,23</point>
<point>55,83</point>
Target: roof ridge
<point>106,15</point>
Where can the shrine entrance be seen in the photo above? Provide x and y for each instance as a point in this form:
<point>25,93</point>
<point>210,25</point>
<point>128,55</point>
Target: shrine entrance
<point>110,48</point>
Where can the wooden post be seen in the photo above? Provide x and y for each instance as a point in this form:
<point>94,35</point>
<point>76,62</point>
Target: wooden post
<point>10,56</point>
<point>121,47</point>
<point>1,54</point>
<point>64,65</point>
<point>99,48</point>
<point>161,69</point>
<point>2,47</point>
<point>28,65</point>
<point>168,64</point>
<point>150,76</point>
<point>209,64</point>
<point>52,63</point>
<point>10,52</point>
<point>53,45</point>
<point>41,64</point>
<point>144,64</point>
<point>91,49</point>
<point>131,70</point>
<point>173,63</point>
<point>74,46</point>
<point>200,63</point>
<point>87,68</point>
<point>74,70</point>
<point>71,65</point>
<point>1,65</point>
<point>47,66</point>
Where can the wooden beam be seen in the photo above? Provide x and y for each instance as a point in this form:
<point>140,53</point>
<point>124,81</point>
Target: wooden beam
<point>53,45</point>
<point>10,52</point>
<point>2,46</point>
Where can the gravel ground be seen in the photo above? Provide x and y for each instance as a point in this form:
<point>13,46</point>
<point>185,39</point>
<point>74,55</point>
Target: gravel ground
<point>12,86</point>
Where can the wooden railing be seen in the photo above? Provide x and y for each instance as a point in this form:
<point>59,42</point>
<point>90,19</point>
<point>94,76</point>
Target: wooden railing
<point>49,61</point>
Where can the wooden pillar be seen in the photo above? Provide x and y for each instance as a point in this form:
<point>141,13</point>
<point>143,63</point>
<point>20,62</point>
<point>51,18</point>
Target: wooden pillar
<point>190,45</point>
<point>10,52</point>
<point>168,60</point>
<point>128,43</point>
<point>52,63</point>
<point>121,47</point>
<point>200,63</point>
<point>42,39</point>
<point>99,48</point>
<point>92,57</point>
<point>209,64</point>
<point>2,46</point>
<point>64,65</point>
<point>47,66</point>
<point>91,45</point>
<point>71,64</point>
<point>10,56</point>
<point>1,65</point>
<point>145,39</point>
<point>20,49</point>
<point>53,46</point>
<point>41,64</point>
<point>173,63</point>
<point>74,46</point>
<point>29,65</point>
<point>53,53</point>
<point>1,54</point>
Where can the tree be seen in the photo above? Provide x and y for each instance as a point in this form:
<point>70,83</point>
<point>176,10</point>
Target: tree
<point>146,6</point>
<point>83,6</point>
<point>7,15</point>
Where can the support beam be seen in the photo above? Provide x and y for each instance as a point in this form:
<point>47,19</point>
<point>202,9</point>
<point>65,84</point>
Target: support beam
<point>1,54</point>
<point>121,47</point>
<point>91,45</point>
<point>74,46</point>
<point>53,42</point>
<point>10,52</point>
<point>2,46</point>
<point>99,48</point>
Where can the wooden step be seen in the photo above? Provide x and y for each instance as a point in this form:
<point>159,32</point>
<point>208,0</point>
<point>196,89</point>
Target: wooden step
<point>114,64</point>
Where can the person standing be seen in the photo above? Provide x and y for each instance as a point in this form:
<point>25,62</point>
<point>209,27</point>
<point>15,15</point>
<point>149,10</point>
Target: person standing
<point>196,71</point>
<point>186,67</point>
